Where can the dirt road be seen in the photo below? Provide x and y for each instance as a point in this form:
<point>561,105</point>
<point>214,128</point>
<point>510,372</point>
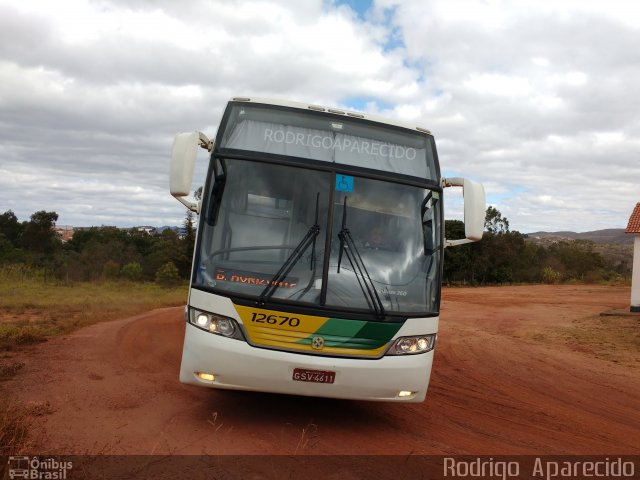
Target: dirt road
<point>507,379</point>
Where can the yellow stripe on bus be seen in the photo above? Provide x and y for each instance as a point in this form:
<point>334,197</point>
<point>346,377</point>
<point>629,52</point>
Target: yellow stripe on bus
<point>271,328</point>
<point>254,318</point>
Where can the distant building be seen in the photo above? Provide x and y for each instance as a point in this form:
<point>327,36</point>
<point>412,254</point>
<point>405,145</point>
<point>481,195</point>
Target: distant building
<point>64,232</point>
<point>634,228</point>
<point>147,229</point>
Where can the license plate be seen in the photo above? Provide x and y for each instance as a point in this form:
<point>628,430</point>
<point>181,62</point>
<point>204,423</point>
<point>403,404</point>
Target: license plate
<point>316,376</point>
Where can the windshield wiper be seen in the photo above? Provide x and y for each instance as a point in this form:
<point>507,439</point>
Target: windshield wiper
<point>348,246</point>
<point>293,258</point>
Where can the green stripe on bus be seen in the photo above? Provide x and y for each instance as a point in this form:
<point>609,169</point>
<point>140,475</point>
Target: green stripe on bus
<point>355,334</point>
<point>379,331</point>
<point>340,327</point>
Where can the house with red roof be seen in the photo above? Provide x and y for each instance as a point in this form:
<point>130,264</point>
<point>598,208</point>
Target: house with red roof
<point>634,228</point>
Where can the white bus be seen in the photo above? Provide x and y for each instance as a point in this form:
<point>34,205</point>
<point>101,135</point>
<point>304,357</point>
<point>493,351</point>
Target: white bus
<point>318,259</point>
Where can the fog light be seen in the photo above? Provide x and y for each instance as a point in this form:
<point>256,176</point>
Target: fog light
<point>209,377</point>
<point>405,393</point>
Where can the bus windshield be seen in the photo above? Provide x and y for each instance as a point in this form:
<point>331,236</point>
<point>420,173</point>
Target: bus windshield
<point>272,232</point>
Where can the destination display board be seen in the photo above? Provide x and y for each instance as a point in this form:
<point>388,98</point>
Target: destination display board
<point>344,140</point>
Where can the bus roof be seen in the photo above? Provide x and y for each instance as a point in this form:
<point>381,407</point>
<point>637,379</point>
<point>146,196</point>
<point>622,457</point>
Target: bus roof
<point>335,111</point>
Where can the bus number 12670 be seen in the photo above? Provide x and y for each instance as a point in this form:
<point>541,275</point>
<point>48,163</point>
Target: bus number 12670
<point>274,319</point>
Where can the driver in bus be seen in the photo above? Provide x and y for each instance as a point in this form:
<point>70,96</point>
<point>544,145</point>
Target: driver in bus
<point>375,240</point>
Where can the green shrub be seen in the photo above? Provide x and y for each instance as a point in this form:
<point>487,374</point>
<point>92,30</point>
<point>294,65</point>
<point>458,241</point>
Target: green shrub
<point>132,271</point>
<point>168,275</point>
<point>551,276</point>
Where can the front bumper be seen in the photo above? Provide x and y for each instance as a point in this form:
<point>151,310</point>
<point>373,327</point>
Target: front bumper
<point>239,366</point>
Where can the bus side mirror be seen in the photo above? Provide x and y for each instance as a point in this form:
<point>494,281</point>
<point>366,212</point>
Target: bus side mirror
<point>183,160</point>
<point>474,209</point>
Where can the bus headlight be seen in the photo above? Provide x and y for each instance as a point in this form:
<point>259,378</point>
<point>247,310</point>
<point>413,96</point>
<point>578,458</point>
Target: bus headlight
<point>413,345</point>
<point>225,326</point>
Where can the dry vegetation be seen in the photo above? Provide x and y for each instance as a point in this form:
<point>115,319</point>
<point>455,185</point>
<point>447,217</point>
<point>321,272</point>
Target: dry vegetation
<point>612,338</point>
<point>32,311</point>
<point>13,427</point>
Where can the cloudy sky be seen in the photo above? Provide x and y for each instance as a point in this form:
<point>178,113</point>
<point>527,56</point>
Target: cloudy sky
<point>539,100</point>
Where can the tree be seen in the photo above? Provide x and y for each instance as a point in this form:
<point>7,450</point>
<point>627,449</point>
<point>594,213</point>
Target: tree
<point>457,260</point>
<point>10,227</point>
<point>167,275</point>
<point>494,222</point>
<point>8,252</point>
<point>98,235</point>
<point>576,258</point>
<point>189,235</point>
<point>90,251</point>
<point>111,269</point>
<point>39,235</point>
<point>166,248</point>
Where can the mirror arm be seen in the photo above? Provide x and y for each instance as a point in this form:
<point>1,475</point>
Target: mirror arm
<point>452,182</point>
<point>194,207</point>
<point>205,142</point>
<point>455,243</point>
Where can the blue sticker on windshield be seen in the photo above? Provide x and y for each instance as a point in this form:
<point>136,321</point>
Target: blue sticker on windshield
<point>344,183</point>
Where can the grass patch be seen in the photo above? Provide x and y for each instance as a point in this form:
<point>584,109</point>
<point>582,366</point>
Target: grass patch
<point>615,339</point>
<point>32,311</point>
<point>9,370</point>
<point>13,427</point>
<point>14,423</point>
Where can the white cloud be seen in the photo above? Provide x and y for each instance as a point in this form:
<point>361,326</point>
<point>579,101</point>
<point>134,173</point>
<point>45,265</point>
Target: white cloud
<point>536,99</point>
<point>499,85</point>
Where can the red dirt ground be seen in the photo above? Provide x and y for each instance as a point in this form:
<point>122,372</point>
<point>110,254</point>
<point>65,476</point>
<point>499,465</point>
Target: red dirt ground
<point>504,382</point>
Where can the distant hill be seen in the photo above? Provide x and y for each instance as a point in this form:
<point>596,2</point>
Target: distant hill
<point>612,243</point>
<point>610,236</point>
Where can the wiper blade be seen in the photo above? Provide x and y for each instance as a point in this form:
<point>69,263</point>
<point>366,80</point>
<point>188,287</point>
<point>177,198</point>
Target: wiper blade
<point>293,258</point>
<point>348,246</point>
<point>344,228</point>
